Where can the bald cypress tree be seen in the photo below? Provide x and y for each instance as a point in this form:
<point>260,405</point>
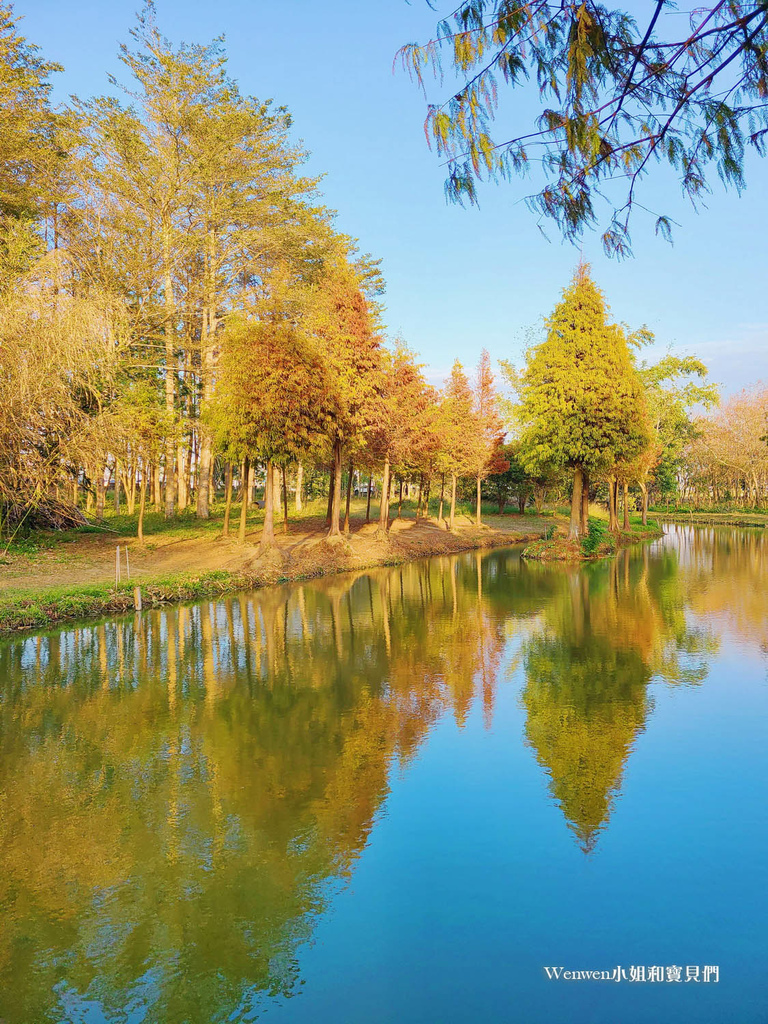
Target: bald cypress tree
<point>460,431</point>
<point>582,404</point>
<point>274,398</point>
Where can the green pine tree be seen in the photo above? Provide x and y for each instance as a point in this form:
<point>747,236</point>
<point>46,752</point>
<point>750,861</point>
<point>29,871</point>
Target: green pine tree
<point>582,402</point>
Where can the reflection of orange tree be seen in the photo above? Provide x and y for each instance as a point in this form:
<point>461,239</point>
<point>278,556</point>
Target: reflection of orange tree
<point>609,631</point>
<point>181,791</point>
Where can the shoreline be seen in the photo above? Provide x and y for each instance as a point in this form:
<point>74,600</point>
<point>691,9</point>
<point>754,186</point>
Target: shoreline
<point>40,610</point>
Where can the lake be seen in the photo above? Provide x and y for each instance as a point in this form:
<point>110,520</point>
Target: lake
<point>399,796</point>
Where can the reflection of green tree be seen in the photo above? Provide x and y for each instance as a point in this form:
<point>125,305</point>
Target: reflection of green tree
<point>182,792</point>
<point>585,704</point>
<point>607,631</point>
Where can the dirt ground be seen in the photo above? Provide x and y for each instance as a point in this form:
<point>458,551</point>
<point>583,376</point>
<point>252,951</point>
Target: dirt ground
<point>90,558</point>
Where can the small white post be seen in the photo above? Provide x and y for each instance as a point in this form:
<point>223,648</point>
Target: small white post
<point>127,566</point>
<point>117,565</point>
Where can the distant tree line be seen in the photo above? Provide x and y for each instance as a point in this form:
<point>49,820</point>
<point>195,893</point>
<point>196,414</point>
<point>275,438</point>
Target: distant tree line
<point>725,462</point>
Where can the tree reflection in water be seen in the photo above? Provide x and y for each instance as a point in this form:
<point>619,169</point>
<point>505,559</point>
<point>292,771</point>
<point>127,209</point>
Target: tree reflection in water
<point>184,791</point>
<point>610,630</point>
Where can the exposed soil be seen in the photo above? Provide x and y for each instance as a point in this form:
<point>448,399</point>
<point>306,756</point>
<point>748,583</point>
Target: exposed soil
<point>90,558</point>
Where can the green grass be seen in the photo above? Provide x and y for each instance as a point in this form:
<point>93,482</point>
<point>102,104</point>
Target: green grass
<point>40,608</point>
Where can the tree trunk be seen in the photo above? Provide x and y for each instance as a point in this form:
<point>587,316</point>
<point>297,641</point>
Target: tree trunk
<point>442,498</point>
<point>181,479</point>
<point>349,498</point>
<point>169,329</point>
<point>453,501</point>
<point>421,495</point>
<point>204,467</point>
<point>644,492</point>
<point>251,483</point>
<point>268,531</point>
<point>207,365</point>
<point>521,499</point>
<point>368,505</point>
<point>331,486</point>
<point>613,519</point>
<point>479,513</point>
<point>400,500</point>
<point>384,502</point>
<point>244,507</point>
<point>285,501</point>
<point>574,527</point>
<point>157,499</point>
<point>277,492</point>
<point>228,506</point>
<point>299,484</point>
<point>142,504</point>
<point>89,493</point>
<point>101,492</point>
<point>585,504</point>
<point>117,488</point>
<point>626,505</point>
<point>130,492</point>
<point>193,455</point>
<point>334,530</point>
<point>170,480</point>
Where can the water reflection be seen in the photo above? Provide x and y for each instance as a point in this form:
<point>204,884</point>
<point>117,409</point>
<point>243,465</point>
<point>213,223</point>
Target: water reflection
<point>184,791</point>
<point>725,572</point>
<point>607,632</point>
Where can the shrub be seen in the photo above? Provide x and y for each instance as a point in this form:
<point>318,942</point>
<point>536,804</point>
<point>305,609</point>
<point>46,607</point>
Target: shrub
<point>597,534</point>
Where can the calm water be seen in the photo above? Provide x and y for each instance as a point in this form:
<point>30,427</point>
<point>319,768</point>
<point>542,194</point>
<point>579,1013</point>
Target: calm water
<point>396,797</point>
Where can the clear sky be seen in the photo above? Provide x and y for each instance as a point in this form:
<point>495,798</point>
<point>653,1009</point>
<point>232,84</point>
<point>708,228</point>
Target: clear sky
<point>458,280</point>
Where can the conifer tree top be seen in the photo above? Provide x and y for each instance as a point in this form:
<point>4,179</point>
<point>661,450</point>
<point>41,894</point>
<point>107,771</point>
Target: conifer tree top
<point>582,399</point>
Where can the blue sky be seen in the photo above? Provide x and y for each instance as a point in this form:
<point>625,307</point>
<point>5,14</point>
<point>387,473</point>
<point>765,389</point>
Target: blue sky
<point>458,280</point>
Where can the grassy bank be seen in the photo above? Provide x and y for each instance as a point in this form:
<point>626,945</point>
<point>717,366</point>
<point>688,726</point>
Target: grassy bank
<point>30,609</point>
<point>707,518</point>
<point>599,542</point>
